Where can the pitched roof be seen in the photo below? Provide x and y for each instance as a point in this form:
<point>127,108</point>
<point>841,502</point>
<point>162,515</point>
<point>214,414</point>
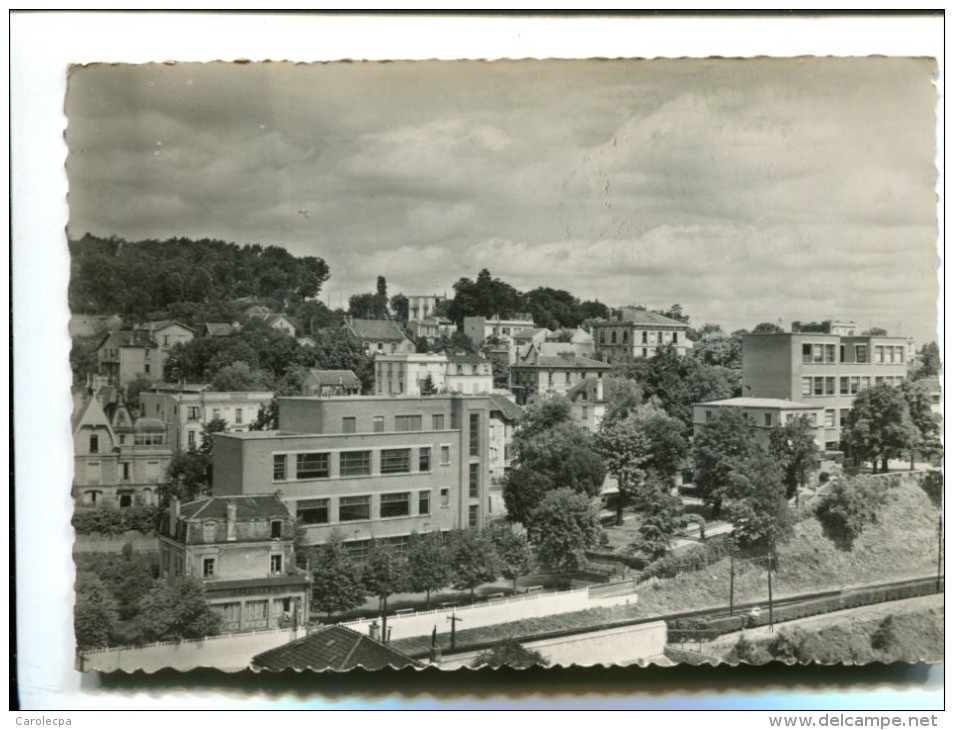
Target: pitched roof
<point>759,403</point>
<point>465,358</point>
<point>376,329</point>
<point>510,410</point>
<point>528,332</point>
<point>562,362</point>
<point>335,377</point>
<point>642,316</point>
<point>587,386</point>
<point>335,648</point>
<point>162,324</point>
<point>246,507</point>
<point>128,338</point>
<point>218,329</point>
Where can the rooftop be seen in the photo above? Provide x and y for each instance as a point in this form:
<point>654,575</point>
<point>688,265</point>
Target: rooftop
<point>376,329</point>
<point>128,338</point>
<point>559,362</point>
<point>759,403</point>
<point>246,507</point>
<point>335,377</point>
<point>335,648</point>
<point>510,410</point>
<point>642,316</point>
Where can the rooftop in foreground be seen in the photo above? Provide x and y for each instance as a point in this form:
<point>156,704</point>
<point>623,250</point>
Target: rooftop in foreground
<point>758,403</point>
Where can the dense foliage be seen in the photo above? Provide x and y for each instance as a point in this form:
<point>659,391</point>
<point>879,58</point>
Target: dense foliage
<point>880,426</point>
<point>114,521</point>
<point>849,507</point>
<point>510,653</point>
<point>336,583</point>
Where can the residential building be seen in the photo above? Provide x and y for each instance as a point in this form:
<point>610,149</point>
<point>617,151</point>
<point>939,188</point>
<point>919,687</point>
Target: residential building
<point>280,322</point>
<point>333,648</point>
<point>588,403</point>
<point>220,329</point>
<point>431,328</point>
<point>539,375</point>
<point>186,408</point>
<point>497,329</point>
<point>821,369</point>
<point>168,332</point>
<point>421,307</point>
<point>126,354</point>
<point>405,373</point>
<point>366,467</point>
<point>505,414</point>
<point>764,414</point>
<point>637,333</point>
<point>331,382</point>
<point>306,342</point>
<point>118,462</point>
<point>380,335</point>
<point>242,548</point>
<point>468,373</point>
<point>580,341</point>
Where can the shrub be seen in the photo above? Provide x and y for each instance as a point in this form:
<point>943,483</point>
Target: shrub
<point>695,558</point>
<point>112,521</point>
<point>851,506</point>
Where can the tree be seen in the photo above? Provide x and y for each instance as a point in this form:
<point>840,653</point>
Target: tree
<point>267,418</point>
<point>513,552</point>
<point>754,502</point>
<point>187,477</point>
<point>627,451</point>
<point>661,516</point>
<point>875,332</point>
<point>400,307</point>
<point>427,386</point>
<point>473,559</point>
<point>383,574</point>
<point>336,582</point>
<point>510,653</point>
<point>726,440</point>
<point>133,388</point>
<point>562,528</point>
<point>428,564</point>
<point>95,614</point>
<point>926,421</point>
<point>928,362</point>
<point>793,447</point>
<point>880,426</point>
<point>381,298</point>
<point>238,377</point>
<point>363,306</point>
<point>767,328</point>
<point>175,611</point>
<point>849,507</point>
<point>623,396</point>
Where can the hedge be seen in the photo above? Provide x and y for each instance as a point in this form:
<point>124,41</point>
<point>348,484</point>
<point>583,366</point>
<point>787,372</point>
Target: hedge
<point>694,558</point>
<point>114,521</point>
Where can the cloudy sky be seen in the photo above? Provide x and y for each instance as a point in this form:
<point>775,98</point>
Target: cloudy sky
<point>746,190</point>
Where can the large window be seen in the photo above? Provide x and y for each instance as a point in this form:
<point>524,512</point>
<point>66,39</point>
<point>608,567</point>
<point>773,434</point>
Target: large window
<point>445,455</point>
<point>312,466</point>
<point>474,479</point>
<point>472,513</point>
<point>407,423</point>
<point>861,353</point>
<point>424,503</point>
<point>445,497</point>
<point>424,459</point>
<point>275,564</point>
<point>351,509</point>
<point>437,422</point>
<point>279,467</point>
<point>379,424</point>
<point>208,567</point>
<point>395,461</point>
<point>313,511</point>
<point>355,463</point>
<point>396,505</point>
<point>94,444</point>
<point>829,418</point>
<point>349,424</point>
<point>475,434</point>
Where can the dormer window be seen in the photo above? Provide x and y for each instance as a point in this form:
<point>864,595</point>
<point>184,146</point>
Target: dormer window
<point>276,528</point>
<point>94,444</point>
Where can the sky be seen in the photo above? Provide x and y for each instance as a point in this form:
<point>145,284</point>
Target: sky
<point>746,190</point>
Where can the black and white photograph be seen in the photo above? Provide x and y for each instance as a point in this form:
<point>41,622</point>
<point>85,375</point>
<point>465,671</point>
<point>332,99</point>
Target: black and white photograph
<point>469,364</point>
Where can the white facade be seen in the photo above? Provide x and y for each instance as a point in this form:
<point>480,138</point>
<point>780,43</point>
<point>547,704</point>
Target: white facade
<point>405,373</point>
<point>422,306</point>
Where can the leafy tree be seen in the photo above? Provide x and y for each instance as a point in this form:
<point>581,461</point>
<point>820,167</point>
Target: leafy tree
<point>238,377</point>
<point>428,564</point>
<point>793,447</point>
<point>677,382</point>
<point>336,581</point>
<point>754,502</point>
<point>510,653</point>
<point>928,362</point>
<point>381,298</point>
<point>187,477</point>
<point>767,328</point>
<point>473,559</point>
<point>267,418</point>
<point>849,507</point>
<point>383,574</point>
<point>627,451</point>
<point>662,515</point>
<point>513,552</point>
<point>726,440</point>
<point>400,307</point>
<point>341,350</point>
<point>95,615</point>
<point>84,360</point>
<point>623,396</point>
<point>562,528</point>
<point>926,421</point>
<point>875,332</point>
<point>718,350</point>
<point>880,426</point>
<point>177,610</point>
<point>133,388</point>
<point>427,386</point>
<point>484,297</point>
<point>363,306</point>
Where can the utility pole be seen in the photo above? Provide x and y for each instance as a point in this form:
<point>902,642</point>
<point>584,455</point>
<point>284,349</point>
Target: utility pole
<point>732,582</point>
<point>454,619</point>
<point>771,615</point>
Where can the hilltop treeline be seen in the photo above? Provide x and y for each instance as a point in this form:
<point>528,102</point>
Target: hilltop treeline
<point>133,279</point>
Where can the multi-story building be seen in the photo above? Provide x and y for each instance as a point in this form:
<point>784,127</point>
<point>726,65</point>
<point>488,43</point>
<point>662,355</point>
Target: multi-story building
<point>504,417</point>
<point>423,306</point>
<point>187,408</point>
<point>431,328</point>
<point>125,354</point>
<point>118,462</point>
<point>279,321</point>
<point>821,369</point>
<point>588,403</point>
<point>637,333</point>
<point>331,382</point>
<point>580,341</point>
<point>764,414</point>
<point>501,331</point>
<point>242,548</point>
<point>540,375</point>
<point>168,332</point>
<point>468,374</point>
<point>406,373</point>
<point>366,467</point>
<point>380,335</point>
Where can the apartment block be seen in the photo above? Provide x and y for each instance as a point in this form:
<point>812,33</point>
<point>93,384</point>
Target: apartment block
<point>456,372</point>
<point>540,375</point>
<point>367,467</point>
<point>637,333</point>
<point>764,414</point>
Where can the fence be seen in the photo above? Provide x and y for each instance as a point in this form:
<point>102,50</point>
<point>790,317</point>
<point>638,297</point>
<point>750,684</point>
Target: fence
<point>229,652</point>
<point>531,605</point>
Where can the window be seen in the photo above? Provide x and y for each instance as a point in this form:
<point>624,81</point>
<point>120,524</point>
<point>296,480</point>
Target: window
<point>94,444</point>
<point>276,528</point>
<point>256,611</point>
<point>424,459</point>
<point>659,339</point>
<point>445,497</point>
<point>879,354</point>
<point>829,353</point>
<point>475,434</point>
<point>180,565</point>
<point>829,418</point>
<point>843,416</point>
<point>348,424</point>
<point>768,419</point>
<point>208,567</point>
<point>855,384</point>
<point>819,386</point>
<point>352,509</point>
<point>613,337</point>
<point>865,382</point>
<point>125,499</point>
<point>843,385</point>
<point>125,471</point>
<point>830,385</point>
<point>423,503</point>
<point>148,368</point>
<point>472,515</point>
<point>313,511</point>
<point>445,455</point>
<point>378,423</point>
<point>474,480</point>
<point>208,531</point>
<point>879,380</point>
<point>190,437</point>
<point>645,338</point>
<point>708,416</point>
<point>675,338</point>
<point>238,415</point>
<point>312,466</point>
<point>407,423</point>
<point>193,413</point>
<point>813,419</point>
<point>355,463</point>
<point>396,505</point>
<point>645,352</point>
<point>395,461</point>
<point>279,467</point>
<point>437,422</point>
<point>625,336</point>
<point>216,413</point>
<point>275,564</point>
<point>841,353</point>
<point>568,377</point>
<point>861,353</point>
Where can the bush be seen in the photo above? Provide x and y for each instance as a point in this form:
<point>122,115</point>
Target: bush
<point>112,521</point>
<point>850,507</point>
<point>695,558</point>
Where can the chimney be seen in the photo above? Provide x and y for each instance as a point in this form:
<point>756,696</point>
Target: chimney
<point>230,520</point>
<point>374,631</point>
<point>173,515</point>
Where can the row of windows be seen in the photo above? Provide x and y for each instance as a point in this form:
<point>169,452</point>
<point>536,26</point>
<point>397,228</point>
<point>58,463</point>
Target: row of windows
<point>644,338</point>
<point>358,509</point>
<point>814,352</point>
<point>349,424</point>
<point>317,464</point>
<point>824,385</point>
<point>194,413</point>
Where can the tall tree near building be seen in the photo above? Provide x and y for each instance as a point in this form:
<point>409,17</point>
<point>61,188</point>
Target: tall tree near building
<point>513,551</point>
<point>726,441</point>
<point>928,363</point>
<point>562,528</point>
<point>176,611</point>
<point>626,450</point>
<point>336,581</point>
<point>381,298</point>
<point>473,559</point>
<point>427,386</point>
<point>400,307</point>
<point>926,421</point>
<point>880,426</point>
<point>661,516</point>
<point>95,614</point>
<point>753,499</point>
<point>793,447</point>
<point>383,574</point>
<point>428,564</point>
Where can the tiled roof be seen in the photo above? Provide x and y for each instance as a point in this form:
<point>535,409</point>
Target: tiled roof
<point>510,410</point>
<point>758,403</point>
<point>335,377</point>
<point>335,648</point>
<point>528,332</point>
<point>641,316</point>
<point>128,338</point>
<point>246,507</point>
<point>218,329</point>
<point>162,324</point>
<point>562,362</point>
<point>376,329</point>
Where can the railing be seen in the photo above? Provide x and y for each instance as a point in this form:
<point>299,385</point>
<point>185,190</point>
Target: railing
<point>159,644</point>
